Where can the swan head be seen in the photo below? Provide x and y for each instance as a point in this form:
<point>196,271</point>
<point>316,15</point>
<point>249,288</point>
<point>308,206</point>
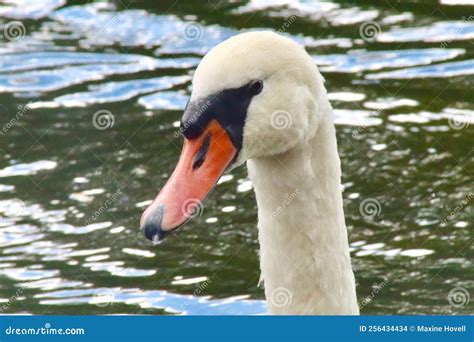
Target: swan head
<point>254,95</point>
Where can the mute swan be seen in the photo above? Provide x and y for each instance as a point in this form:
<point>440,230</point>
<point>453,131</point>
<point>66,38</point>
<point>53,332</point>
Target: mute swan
<point>258,97</point>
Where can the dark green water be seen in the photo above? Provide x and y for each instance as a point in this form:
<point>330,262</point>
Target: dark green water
<point>73,185</point>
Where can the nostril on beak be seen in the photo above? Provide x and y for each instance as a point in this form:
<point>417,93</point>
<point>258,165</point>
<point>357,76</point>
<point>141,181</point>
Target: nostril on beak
<point>202,152</point>
<point>152,225</point>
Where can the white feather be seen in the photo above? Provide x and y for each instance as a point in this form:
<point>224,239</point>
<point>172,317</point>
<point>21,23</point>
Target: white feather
<point>304,252</point>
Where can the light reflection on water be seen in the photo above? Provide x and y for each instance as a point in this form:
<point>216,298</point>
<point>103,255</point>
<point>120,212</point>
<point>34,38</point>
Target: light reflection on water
<point>71,195</point>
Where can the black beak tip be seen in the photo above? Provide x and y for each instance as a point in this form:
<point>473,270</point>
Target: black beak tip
<point>152,227</point>
<point>154,232</point>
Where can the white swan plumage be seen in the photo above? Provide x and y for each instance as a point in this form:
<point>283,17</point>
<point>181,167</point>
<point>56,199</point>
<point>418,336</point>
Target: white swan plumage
<point>259,98</point>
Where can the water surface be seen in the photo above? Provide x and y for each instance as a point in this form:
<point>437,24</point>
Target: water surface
<point>90,99</point>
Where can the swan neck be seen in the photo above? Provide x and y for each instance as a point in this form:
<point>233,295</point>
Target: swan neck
<point>304,252</point>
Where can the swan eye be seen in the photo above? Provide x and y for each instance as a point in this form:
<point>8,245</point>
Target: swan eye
<point>256,87</point>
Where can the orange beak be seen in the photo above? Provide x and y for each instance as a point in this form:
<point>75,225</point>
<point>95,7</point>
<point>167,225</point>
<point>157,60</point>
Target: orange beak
<point>203,160</point>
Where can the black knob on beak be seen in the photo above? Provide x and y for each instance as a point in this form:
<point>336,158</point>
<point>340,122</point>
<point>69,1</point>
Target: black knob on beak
<point>152,225</point>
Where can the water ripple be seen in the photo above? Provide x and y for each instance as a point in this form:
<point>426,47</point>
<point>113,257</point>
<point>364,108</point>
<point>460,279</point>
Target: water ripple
<point>444,70</point>
<point>29,9</point>
<point>27,169</point>
<point>119,91</point>
<point>137,28</point>
<point>357,61</point>
<point>49,80</point>
<point>164,101</point>
<point>410,150</point>
<point>169,302</point>
<point>55,59</point>
<point>445,31</point>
